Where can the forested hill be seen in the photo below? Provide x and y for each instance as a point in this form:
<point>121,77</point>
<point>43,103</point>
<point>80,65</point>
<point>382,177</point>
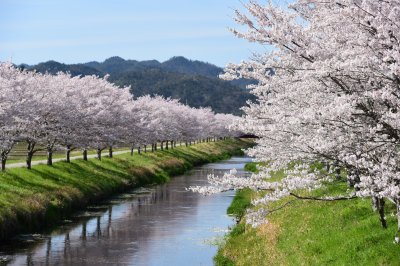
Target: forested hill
<point>195,83</point>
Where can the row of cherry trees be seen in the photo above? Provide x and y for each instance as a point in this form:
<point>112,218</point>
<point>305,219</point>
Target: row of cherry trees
<point>334,97</point>
<point>62,112</point>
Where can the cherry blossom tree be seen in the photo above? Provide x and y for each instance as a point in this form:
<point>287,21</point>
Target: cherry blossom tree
<point>14,107</point>
<point>60,112</point>
<point>333,97</point>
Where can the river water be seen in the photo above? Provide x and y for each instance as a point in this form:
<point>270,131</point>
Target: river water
<point>162,225</point>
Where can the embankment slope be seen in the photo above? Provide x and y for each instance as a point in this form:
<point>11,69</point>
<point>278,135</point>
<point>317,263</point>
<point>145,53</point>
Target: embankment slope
<point>34,199</point>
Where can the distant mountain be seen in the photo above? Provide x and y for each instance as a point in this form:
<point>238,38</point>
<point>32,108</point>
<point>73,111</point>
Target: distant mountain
<point>53,67</point>
<point>117,64</point>
<point>193,82</point>
<point>196,91</point>
<point>177,64</point>
<point>182,65</point>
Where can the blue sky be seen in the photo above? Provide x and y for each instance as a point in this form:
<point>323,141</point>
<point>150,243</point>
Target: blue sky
<point>77,31</point>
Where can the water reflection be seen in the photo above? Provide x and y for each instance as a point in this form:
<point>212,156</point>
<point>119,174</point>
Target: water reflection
<point>164,225</point>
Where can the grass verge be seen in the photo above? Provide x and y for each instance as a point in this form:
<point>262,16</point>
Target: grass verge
<point>35,199</point>
<point>312,233</point>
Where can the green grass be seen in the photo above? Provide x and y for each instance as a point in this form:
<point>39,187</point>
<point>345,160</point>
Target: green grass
<point>237,209</point>
<point>251,167</point>
<point>38,198</point>
<point>313,233</point>
<point>240,203</point>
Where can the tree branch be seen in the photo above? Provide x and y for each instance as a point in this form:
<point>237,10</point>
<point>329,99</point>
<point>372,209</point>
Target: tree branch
<point>321,199</point>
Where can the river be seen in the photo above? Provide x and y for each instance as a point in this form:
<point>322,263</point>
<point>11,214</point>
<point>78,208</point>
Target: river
<point>160,225</point>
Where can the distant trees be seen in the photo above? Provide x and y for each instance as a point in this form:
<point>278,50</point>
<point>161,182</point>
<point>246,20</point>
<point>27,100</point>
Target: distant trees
<point>50,112</point>
<point>334,97</point>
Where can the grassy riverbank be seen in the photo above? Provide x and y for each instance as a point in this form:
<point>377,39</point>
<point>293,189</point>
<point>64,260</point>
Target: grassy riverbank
<point>312,233</point>
<point>38,198</point>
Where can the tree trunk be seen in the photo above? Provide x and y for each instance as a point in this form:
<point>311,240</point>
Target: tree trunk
<point>85,155</point>
<point>381,211</point>
<point>31,147</point>
<point>328,166</point>
<point>29,160</point>
<point>397,236</point>
<point>132,148</point>
<point>155,146</point>
<point>186,143</point>
<point>162,145</point>
<point>166,145</point>
<point>3,163</point>
<point>110,152</point>
<point>68,153</point>
<point>99,154</point>
<point>337,173</point>
<point>152,147</point>
<point>49,156</point>
<point>355,180</point>
<point>138,150</point>
<point>375,203</point>
<point>4,156</point>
